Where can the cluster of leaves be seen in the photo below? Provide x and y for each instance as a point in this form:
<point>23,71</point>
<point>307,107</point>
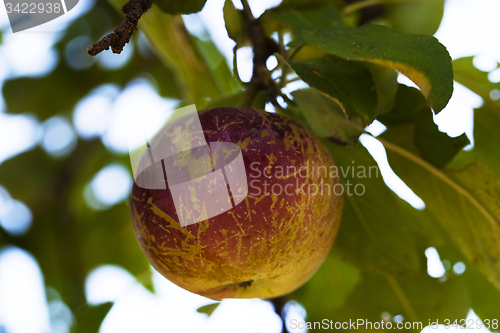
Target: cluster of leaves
<point>377,264</point>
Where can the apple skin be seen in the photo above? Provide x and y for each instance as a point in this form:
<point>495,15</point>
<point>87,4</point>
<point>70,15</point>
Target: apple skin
<point>266,246</point>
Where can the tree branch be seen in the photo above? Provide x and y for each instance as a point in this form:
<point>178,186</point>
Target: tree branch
<point>263,48</point>
<point>121,36</point>
<point>247,10</point>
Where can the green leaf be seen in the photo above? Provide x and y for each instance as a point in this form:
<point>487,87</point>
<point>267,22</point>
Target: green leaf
<point>325,118</point>
<point>463,200</point>
<point>375,223</point>
<point>341,293</point>
<point>410,109</point>
<point>484,297</point>
<point>89,318</point>
<point>314,18</point>
<point>308,52</point>
<point>486,136</point>
<point>167,33</point>
<point>217,64</point>
<point>349,83</point>
<point>23,181</point>
<point>414,17</point>
<point>174,7</point>
<point>208,309</point>
<point>386,83</point>
<point>420,57</point>
<point>305,4</point>
<point>328,289</point>
<point>486,118</point>
<point>474,79</point>
<point>235,23</point>
<point>418,298</point>
<point>463,196</point>
<point>237,99</point>
<point>123,250</point>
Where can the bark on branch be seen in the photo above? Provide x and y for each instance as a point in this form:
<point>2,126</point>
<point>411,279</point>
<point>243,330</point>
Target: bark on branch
<point>121,36</point>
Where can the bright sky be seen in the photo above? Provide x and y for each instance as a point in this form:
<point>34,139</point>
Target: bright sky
<point>469,28</point>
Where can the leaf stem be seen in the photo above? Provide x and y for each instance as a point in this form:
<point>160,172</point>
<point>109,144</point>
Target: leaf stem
<point>402,297</point>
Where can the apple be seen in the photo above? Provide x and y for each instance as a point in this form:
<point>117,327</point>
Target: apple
<point>278,229</point>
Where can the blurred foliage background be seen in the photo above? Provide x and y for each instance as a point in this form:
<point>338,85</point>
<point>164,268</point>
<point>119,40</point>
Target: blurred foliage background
<point>69,190</point>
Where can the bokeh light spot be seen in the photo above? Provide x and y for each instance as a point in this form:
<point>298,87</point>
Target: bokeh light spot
<point>59,137</point>
<point>110,185</point>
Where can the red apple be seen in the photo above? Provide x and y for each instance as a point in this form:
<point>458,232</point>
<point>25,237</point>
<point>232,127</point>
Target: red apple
<point>271,241</point>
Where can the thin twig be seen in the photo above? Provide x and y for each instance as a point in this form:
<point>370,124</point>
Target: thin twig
<point>247,10</point>
<point>297,78</point>
<point>121,36</point>
<point>297,49</point>
<point>235,66</point>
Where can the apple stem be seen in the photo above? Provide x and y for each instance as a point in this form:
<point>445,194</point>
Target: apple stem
<point>279,306</point>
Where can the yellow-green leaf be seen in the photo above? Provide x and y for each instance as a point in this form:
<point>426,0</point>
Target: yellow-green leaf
<point>464,200</point>
<point>175,7</point>
<point>235,22</point>
<point>325,118</point>
<point>348,83</point>
<point>208,309</point>
<point>435,146</point>
<point>420,57</point>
